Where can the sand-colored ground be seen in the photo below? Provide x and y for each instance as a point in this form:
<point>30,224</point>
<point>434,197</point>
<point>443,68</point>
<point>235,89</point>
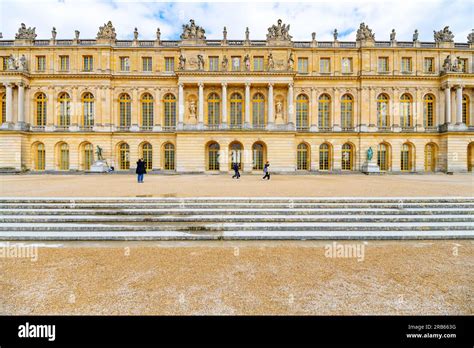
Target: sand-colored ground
<point>248,185</point>
<point>394,277</point>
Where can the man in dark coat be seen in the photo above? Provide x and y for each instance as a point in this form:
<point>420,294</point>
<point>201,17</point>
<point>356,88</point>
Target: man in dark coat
<point>235,167</point>
<point>141,170</point>
<point>266,171</point>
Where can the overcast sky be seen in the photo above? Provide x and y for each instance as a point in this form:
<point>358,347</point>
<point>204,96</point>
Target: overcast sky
<point>321,17</point>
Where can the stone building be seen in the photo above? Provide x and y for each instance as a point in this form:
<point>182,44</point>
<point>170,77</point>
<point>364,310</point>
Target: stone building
<point>198,104</point>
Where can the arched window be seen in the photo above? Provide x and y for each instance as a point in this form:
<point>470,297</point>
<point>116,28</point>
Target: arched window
<point>40,156</point>
<point>125,110</point>
<point>124,156</point>
<point>428,111</point>
<point>383,116</point>
<point>213,110</point>
<point>465,110</point>
<point>169,102</point>
<point>258,111</point>
<point>169,157</point>
<point>3,108</point>
<point>324,111</point>
<point>40,110</point>
<point>405,111</point>
<point>88,110</point>
<point>302,106</point>
<point>63,156</point>
<point>347,160</point>
<point>235,151</point>
<point>302,157</point>
<point>324,157</point>
<point>147,155</point>
<point>430,157</point>
<point>258,154</point>
<point>235,110</point>
<point>213,156</point>
<point>470,157</point>
<point>147,111</point>
<point>383,157</point>
<point>406,160</point>
<point>88,156</point>
<point>347,112</point>
<point>64,110</point>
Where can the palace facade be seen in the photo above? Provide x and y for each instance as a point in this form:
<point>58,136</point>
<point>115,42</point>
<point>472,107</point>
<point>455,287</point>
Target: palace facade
<point>197,105</point>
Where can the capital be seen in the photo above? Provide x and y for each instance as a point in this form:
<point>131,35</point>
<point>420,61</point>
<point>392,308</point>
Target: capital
<point>201,84</point>
<point>247,84</point>
<point>224,84</point>
<point>270,85</point>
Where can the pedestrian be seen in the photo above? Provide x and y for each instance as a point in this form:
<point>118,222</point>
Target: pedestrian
<point>235,167</point>
<point>141,170</point>
<point>266,171</point>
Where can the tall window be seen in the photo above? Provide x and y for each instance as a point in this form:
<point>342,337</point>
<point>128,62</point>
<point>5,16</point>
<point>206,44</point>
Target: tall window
<point>124,64</point>
<point>303,65</point>
<point>125,108</point>
<point>124,156</point>
<point>88,110</point>
<point>235,110</point>
<point>258,154</point>
<point>346,65</point>
<point>406,65</point>
<point>64,157</point>
<point>213,110</point>
<point>428,65</point>
<point>258,63</point>
<point>64,63</point>
<point>88,156</point>
<point>40,63</point>
<point>405,111</point>
<point>302,157</point>
<point>406,163</point>
<point>383,157</point>
<point>302,106</point>
<point>258,110</point>
<point>465,110</point>
<point>382,64</point>
<point>147,64</point>
<point>324,157</point>
<point>214,63</point>
<point>430,157</point>
<point>383,117</point>
<point>168,157</point>
<point>324,121</point>
<point>147,111</point>
<point>169,64</point>
<point>213,156</point>
<point>88,63</point>
<point>347,111</point>
<point>40,157</point>
<point>347,157</point>
<point>235,63</point>
<point>428,110</point>
<point>64,110</point>
<point>325,65</point>
<point>170,111</point>
<point>40,110</point>
<point>147,155</point>
<point>3,108</point>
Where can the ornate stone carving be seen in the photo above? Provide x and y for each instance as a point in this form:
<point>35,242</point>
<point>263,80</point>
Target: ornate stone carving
<point>192,109</point>
<point>279,32</point>
<point>247,62</point>
<point>470,37</point>
<point>107,32</point>
<point>393,35</point>
<point>225,63</point>
<point>450,65</point>
<point>271,62</point>
<point>18,64</point>
<point>415,35</point>
<point>291,62</point>
<point>192,31</point>
<point>25,33</point>
<point>335,34</point>
<point>200,62</point>
<point>182,62</point>
<point>364,33</point>
<point>279,109</point>
<point>444,35</point>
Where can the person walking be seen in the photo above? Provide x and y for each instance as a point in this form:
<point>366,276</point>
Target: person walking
<point>141,170</point>
<point>266,171</point>
<point>235,167</point>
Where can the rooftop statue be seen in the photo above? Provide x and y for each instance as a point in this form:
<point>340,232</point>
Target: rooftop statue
<point>279,32</point>
<point>107,32</point>
<point>470,37</point>
<point>192,31</point>
<point>444,35</point>
<point>393,35</point>
<point>25,33</point>
<point>415,35</point>
<point>364,33</point>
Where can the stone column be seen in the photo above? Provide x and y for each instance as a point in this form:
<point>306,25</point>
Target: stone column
<point>180,105</point>
<point>459,106</point>
<point>247,105</point>
<point>447,104</point>
<point>9,104</point>
<point>75,110</point>
<point>271,118</point>
<point>21,105</point>
<point>313,110</point>
<point>224,106</point>
<point>336,110</point>
<point>135,122</point>
<point>291,123</point>
<point>157,110</point>
<point>201,105</point>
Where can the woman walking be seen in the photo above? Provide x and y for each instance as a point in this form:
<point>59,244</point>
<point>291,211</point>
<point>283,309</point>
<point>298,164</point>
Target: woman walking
<point>266,171</point>
<point>141,170</point>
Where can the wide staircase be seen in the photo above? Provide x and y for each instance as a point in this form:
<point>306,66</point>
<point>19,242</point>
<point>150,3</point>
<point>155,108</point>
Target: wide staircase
<point>146,218</point>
